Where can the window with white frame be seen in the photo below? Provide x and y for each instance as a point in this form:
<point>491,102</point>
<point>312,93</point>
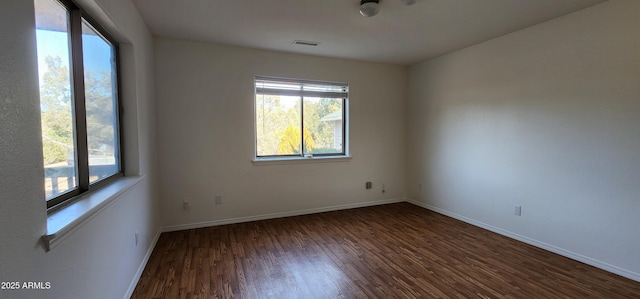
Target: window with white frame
<point>300,118</point>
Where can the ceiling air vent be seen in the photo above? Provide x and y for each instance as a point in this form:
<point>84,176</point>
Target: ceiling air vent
<point>305,43</point>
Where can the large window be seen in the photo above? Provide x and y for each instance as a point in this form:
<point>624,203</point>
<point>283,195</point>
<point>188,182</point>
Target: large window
<point>300,118</point>
<point>78,101</point>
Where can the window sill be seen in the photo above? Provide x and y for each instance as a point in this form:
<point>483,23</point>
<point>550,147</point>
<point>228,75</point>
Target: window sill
<point>66,220</point>
<point>299,160</point>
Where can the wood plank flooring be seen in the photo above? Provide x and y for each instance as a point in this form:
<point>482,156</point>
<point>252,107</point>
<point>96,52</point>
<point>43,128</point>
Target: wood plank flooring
<point>390,251</point>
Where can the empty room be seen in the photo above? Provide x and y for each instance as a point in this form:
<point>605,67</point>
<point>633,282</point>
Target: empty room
<point>320,149</point>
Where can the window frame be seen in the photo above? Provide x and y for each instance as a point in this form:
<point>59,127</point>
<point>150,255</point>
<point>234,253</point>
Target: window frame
<point>76,16</point>
<point>345,121</point>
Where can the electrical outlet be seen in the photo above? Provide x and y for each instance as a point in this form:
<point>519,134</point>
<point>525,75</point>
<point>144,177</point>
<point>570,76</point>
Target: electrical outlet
<point>185,203</point>
<point>218,199</point>
<point>383,189</point>
<point>517,210</point>
<point>367,185</point>
<point>136,236</point>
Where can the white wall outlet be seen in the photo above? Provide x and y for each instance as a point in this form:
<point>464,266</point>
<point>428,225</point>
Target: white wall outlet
<point>517,210</point>
<point>383,189</point>
<point>185,203</point>
<point>218,199</point>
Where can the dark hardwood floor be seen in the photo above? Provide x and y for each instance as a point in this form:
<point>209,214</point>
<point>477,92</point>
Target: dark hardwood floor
<point>389,251</point>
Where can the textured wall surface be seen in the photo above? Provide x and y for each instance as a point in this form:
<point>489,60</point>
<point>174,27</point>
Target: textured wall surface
<point>22,216</point>
<point>546,118</point>
<point>206,140</point>
<point>99,259</point>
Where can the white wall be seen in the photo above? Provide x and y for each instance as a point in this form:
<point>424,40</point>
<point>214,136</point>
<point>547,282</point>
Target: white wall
<point>99,259</point>
<point>206,139</point>
<point>547,117</point>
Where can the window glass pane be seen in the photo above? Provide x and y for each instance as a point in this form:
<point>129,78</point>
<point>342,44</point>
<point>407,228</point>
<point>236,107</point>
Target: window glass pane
<point>101,104</point>
<point>323,125</point>
<point>56,103</point>
<point>278,123</point>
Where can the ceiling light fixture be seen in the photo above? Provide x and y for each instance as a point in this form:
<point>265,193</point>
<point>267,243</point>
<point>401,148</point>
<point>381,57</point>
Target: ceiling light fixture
<point>369,8</point>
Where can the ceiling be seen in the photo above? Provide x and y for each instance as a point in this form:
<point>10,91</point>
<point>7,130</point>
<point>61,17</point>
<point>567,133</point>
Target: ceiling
<point>399,34</point>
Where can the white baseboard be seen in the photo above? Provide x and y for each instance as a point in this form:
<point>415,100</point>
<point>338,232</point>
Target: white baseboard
<point>143,264</point>
<point>279,215</point>
<point>567,253</point>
